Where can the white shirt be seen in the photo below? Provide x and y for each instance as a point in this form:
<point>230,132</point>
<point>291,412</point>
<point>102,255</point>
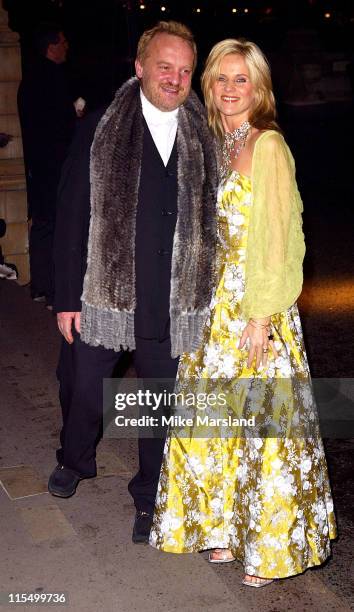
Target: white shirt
<point>162,126</point>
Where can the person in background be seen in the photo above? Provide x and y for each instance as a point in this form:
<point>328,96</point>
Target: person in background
<point>259,495</point>
<point>47,117</point>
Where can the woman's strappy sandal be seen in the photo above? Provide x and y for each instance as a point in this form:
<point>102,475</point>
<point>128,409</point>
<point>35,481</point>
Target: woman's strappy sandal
<point>224,556</point>
<point>258,583</point>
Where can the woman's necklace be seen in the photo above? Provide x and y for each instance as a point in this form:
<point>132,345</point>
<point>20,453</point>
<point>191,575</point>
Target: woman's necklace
<point>236,139</point>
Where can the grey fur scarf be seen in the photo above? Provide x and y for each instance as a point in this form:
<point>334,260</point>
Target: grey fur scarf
<point>109,300</point>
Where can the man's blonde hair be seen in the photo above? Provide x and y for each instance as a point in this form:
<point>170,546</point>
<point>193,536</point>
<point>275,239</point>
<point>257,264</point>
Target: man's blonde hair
<point>263,112</point>
<point>174,28</point>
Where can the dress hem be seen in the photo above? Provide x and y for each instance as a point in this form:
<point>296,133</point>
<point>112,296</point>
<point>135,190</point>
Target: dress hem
<point>269,576</point>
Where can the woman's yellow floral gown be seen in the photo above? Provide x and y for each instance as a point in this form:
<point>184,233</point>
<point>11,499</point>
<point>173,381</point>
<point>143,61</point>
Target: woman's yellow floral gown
<point>267,499</point>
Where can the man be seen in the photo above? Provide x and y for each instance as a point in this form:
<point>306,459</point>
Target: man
<point>148,282</point>
<point>47,118</point>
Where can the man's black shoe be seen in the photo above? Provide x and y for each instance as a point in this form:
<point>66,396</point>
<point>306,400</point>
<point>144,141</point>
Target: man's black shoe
<point>142,526</point>
<point>63,481</point>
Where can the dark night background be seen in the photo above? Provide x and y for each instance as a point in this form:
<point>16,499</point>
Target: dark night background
<point>103,33</point>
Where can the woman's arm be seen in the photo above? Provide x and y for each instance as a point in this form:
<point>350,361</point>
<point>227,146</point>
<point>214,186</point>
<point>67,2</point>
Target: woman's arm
<point>275,246</point>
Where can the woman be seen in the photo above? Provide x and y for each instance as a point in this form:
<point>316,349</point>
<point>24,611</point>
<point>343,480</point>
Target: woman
<point>263,500</point>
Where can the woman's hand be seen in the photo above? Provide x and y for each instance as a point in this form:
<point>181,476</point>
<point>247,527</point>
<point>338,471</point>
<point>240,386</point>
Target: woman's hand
<point>257,332</point>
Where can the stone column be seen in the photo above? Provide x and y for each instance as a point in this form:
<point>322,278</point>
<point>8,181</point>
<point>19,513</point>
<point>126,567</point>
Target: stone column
<point>13,197</point>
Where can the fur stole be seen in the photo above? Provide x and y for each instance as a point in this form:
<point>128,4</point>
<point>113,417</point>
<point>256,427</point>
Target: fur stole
<point>109,299</point>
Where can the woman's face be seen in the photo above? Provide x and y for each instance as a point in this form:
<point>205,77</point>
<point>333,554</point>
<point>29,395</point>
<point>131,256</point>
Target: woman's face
<point>233,92</point>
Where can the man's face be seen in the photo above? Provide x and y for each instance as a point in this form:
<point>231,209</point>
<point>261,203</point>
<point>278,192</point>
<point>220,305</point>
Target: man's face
<point>165,73</point>
<point>57,52</point>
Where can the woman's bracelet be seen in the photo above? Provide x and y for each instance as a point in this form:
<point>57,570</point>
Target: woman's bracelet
<point>259,325</point>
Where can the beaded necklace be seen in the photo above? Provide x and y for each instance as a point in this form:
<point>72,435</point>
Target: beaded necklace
<point>231,139</point>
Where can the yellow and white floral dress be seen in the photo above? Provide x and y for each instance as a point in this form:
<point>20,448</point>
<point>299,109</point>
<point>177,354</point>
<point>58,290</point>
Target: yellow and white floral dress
<point>267,499</point>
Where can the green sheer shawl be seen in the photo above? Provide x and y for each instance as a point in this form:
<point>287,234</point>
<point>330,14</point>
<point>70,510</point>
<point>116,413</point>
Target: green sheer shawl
<point>275,247</point>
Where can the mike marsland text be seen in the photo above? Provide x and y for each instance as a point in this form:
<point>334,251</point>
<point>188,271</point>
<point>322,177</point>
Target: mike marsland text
<point>179,421</point>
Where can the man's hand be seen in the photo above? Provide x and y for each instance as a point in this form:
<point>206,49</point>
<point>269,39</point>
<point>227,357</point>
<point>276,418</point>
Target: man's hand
<point>65,322</point>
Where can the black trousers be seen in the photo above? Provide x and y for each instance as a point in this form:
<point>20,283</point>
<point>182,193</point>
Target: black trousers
<point>80,372</point>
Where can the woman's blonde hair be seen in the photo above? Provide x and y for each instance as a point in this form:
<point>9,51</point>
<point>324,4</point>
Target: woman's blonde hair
<point>263,113</point>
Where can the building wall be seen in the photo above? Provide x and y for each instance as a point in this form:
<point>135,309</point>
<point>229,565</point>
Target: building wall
<point>13,197</point>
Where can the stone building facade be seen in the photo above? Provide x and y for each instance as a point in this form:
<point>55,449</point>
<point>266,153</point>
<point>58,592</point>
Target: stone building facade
<point>13,197</point>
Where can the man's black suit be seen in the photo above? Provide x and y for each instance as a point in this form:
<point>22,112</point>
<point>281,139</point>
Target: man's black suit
<point>82,367</point>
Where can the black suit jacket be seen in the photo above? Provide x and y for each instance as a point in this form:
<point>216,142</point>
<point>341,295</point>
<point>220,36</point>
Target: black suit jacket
<point>73,218</point>
<point>156,220</point>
